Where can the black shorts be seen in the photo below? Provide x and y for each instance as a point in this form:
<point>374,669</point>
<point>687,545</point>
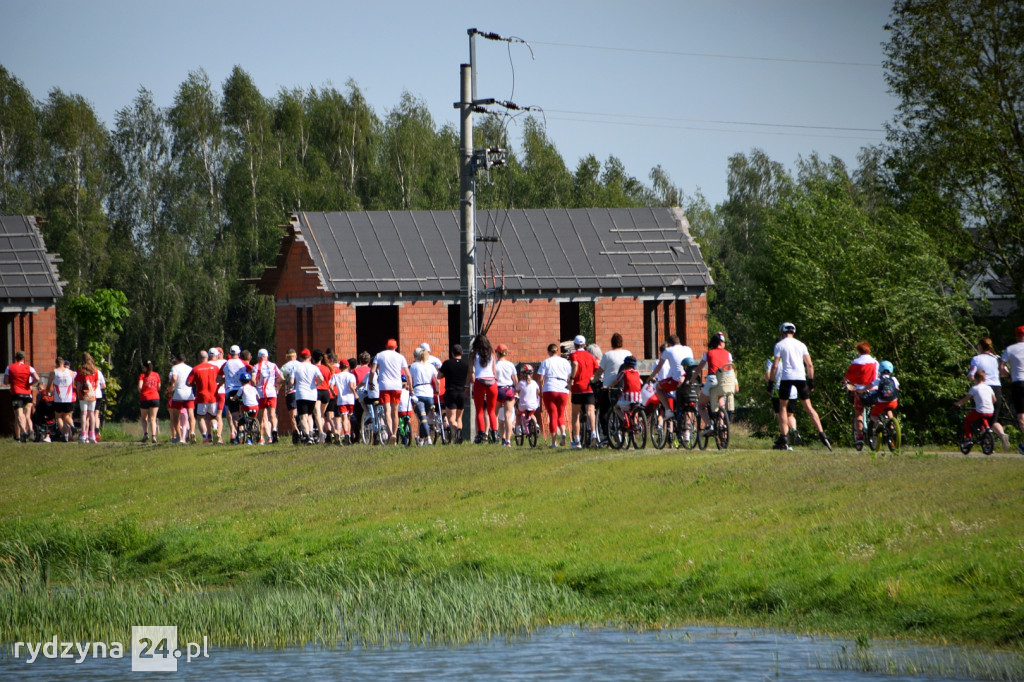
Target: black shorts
<point>20,401</point>
<point>583,399</point>
<point>323,397</point>
<point>332,407</point>
<point>65,408</point>
<point>790,404</point>
<point>1017,396</point>
<point>455,399</point>
<point>802,392</point>
<point>147,404</point>
<point>305,407</point>
<point>997,400</point>
<point>289,401</point>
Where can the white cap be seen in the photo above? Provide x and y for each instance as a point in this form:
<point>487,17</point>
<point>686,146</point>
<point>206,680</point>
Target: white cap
<point>580,340</point>
<point>212,352</point>
<point>234,350</point>
<point>425,346</point>
<point>263,353</point>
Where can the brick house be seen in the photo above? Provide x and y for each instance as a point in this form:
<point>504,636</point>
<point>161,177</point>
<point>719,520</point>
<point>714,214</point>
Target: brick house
<point>351,280</point>
<point>29,289</point>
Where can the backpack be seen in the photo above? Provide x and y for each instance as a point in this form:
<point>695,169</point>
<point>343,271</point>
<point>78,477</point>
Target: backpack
<point>887,391</point>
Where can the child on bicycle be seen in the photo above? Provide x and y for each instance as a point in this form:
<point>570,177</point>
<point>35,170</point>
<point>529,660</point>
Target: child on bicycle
<point>984,403</point>
<point>405,402</point>
<point>528,395</point>
<point>883,393</point>
<point>632,384</point>
<point>250,397</point>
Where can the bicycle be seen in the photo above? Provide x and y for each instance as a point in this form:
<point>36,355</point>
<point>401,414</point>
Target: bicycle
<point>404,435</point>
<point>631,426</point>
<point>586,431</point>
<point>981,433</point>
<point>247,430</point>
<point>528,431</point>
<point>374,431</point>
<point>719,429</point>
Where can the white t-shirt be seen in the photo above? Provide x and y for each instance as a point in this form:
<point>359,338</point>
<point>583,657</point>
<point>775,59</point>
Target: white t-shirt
<point>101,383</point>
<point>529,395</point>
<point>988,363</point>
<point>63,385</point>
<point>232,369</point>
<point>610,364</point>
<point>1013,356</point>
<point>219,364</point>
<point>286,372</point>
<point>673,357</point>
<point>984,398</point>
<point>790,353</point>
<point>342,383</point>
<point>483,371</point>
<point>778,379</point>
<point>422,375</point>
<point>267,375</point>
<point>556,371</point>
<point>504,373</point>
<point>405,401</point>
<point>306,377</point>
<point>250,396</point>
<point>436,362</point>
<point>390,364</point>
<point>179,379</point>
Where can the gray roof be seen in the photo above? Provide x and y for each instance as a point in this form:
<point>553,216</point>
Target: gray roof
<point>27,272</point>
<point>544,252</point>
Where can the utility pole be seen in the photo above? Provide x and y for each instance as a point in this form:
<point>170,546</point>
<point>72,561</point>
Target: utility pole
<point>467,239</point>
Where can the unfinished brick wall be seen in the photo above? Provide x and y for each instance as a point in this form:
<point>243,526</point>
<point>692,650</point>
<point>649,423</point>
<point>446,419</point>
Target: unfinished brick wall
<point>622,315</point>
<point>423,321</point>
<point>526,327</point>
<point>695,334</point>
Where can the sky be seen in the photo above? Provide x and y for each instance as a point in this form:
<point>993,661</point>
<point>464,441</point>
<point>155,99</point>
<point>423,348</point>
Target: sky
<point>677,83</point>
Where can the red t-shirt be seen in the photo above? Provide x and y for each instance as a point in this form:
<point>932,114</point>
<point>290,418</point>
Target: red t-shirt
<point>19,376</point>
<point>325,372</point>
<point>585,372</point>
<point>93,380</point>
<point>150,386</point>
<point>718,358</point>
<point>203,380</point>
<point>360,373</point>
<point>631,381</point>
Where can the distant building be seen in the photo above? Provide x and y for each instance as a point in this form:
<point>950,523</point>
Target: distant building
<point>29,289</point>
<point>350,281</point>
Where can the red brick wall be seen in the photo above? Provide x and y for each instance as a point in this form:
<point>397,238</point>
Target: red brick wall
<point>422,321</point>
<point>526,327</point>
<point>36,334</point>
<point>696,333</point>
<point>297,282</point>
<point>622,315</point>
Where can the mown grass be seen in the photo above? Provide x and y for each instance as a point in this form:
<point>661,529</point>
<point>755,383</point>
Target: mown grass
<point>282,544</point>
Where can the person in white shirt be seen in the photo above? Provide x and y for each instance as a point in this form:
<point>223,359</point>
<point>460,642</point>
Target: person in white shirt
<point>673,357</point>
<point>389,365</point>
<point>182,399</point>
<point>984,403</point>
<point>793,360</point>
<point>506,377</point>
<point>1011,365</point>
<point>289,391</point>
<point>215,356</point>
<point>528,393</point>
<point>344,386</point>
<point>436,362</point>
<point>424,387</point>
<point>62,388</point>
<point>305,378</point>
<point>988,362</point>
<point>554,375</point>
<point>268,377</point>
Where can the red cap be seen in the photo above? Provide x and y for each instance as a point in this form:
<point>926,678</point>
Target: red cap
<point>501,348</point>
<point>305,353</point>
<point>1020,330</point>
<point>343,364</point>
<point>392,344</point>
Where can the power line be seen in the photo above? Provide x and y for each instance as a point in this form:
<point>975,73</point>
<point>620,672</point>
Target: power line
<point>712,130</point>
<point>708,55</point>
<point>701,120</point>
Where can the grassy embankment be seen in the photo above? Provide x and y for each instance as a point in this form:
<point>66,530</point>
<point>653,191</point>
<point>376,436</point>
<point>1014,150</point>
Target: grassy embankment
<point>282,544</point>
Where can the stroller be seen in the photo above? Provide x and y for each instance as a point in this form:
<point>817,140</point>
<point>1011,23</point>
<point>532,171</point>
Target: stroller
<point>44,422</point>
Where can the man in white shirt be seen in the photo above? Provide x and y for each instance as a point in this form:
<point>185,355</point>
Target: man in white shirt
<point>305,377</point>
<point>673,357</point>
<point>606,371</point>
<point>436,362</point>
<point>1011,365</point>
<point>792,363</point>
<point>389,365</point>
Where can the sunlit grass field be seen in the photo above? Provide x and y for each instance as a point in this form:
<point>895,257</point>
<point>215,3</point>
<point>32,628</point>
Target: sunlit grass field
<point>284,544</point>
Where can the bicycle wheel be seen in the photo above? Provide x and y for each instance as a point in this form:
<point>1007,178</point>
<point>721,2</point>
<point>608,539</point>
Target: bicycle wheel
<point>519,434</point>
<point>366,433</point>
<point>872,435</point>
<point>987,442</point>
<point>405,432</point>
<point>533,432</point>
<point>586,435</point>
<point>892,435</point>
<point>616,438</point>
<point>702,440</point>
<point>252,431</point>
<point>658,428</point>
<point>687,429</point>
<point>722,429</point>
<point>858,443</point>
<point>638,428</point>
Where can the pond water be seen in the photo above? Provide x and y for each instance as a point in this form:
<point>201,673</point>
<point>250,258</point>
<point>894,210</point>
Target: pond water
<point>563,653</point>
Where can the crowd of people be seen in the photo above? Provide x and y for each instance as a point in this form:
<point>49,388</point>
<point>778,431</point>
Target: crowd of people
<point>574,389</point>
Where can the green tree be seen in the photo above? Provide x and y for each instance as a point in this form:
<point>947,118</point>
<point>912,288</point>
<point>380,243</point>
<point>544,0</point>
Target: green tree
<point>958,141</point>
<point>100,319</point>
<point>19,137</point>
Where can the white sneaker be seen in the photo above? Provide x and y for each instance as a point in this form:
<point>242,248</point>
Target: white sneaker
<point>1006,440</point>
<point>427,441</point>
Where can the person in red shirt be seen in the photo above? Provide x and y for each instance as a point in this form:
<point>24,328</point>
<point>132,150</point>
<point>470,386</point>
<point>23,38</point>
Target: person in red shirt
<point>86,382</point>
<point>149,400</point>
<point>582,399</point>
<point>20,376</point>
<point>203,380</point>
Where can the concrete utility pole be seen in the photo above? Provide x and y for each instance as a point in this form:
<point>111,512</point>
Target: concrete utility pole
<point>467,240</point>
